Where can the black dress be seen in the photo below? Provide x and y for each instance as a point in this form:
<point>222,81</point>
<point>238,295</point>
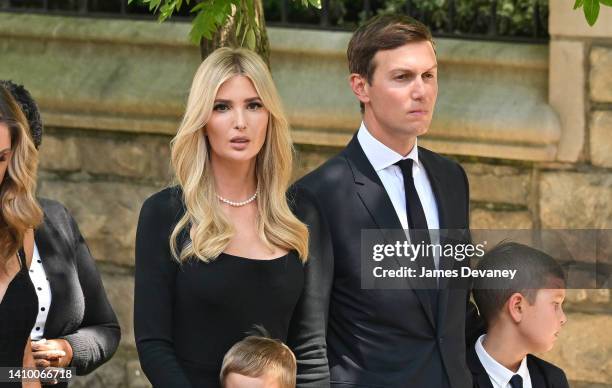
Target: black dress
<point>186,317</point>
<point>18,311</point>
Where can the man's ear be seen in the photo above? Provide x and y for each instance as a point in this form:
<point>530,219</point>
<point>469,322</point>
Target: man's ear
<point>515,306</point>
<point>359,85</point>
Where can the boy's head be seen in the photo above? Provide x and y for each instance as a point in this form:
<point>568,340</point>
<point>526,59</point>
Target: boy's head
<point>531,303</point>
<point>258,362</point>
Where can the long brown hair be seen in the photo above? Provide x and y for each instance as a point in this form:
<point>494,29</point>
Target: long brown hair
<point>19,210</point>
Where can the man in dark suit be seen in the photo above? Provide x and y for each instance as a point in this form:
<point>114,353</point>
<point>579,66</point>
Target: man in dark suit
<point>382,337</point>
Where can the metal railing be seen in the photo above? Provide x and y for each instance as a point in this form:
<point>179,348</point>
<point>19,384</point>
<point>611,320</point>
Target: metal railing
<point>470,19</point>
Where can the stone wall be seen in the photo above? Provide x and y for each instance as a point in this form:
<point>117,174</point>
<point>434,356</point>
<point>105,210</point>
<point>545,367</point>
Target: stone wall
<point>536,146</point>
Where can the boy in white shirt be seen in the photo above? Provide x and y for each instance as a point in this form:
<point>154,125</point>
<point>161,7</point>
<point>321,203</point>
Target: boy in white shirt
<point>524,315</point>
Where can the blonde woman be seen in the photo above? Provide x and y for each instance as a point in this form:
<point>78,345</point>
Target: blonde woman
<point>221,251</point>
<point>19,215</point>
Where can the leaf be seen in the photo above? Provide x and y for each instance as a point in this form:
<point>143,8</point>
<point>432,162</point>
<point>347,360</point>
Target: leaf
<point>200,6</point>
<point>607,3</point>
<point>250,10</point>
<point>198,28</point>
<point>154,5</point>
<point>222,13</point>
<point>578,4</point>
<point>238,24</point>
<point>250,39</point>
<point>166,11</point>
<point>591,11</point>
<point>315,3</point>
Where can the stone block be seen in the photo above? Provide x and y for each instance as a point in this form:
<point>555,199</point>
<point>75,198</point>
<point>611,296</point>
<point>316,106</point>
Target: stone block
<point>601,76</point>
<point>120,291</point>
<point>601,137</point>
<point>563,21</point>
<point>582,296</point>
<point>566,95</point>
<point>584,348</point>
<point>107,214</point>
<point>309,158</point>
<point>135,376</point>
<point>576,200</point>
<point>109,375</point>
<point>127,156</point>
<point>491,219</point>
<point>498,184</point>
<point>59,153</point>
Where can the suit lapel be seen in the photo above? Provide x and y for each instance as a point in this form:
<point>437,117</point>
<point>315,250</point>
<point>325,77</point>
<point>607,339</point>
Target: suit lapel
<point>538,379</point>
<point>479,374</point>
<point>438,188</point>
<point>376,200</point>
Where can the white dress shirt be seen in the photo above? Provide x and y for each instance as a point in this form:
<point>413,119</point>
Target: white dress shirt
<point>43,291</point>
<point>383,159</point>
<point>498,374</point>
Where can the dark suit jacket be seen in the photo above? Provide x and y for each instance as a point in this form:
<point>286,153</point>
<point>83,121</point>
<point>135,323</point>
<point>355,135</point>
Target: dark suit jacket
<point>543,374</point>
<point>80,312</point>
<point>375,337</point>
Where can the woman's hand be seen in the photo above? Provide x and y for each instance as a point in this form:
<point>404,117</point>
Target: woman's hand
<point>28,362</point>
<point>52,353</point>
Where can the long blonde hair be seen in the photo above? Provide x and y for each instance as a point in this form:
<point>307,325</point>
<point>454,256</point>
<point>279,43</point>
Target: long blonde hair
<point>19,210</point>
<point>211,231</point>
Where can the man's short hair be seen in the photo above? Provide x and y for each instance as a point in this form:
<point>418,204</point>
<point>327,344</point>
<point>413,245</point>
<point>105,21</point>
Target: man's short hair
<point>256,355</point>
<point>384,32</point>
<point>535,270</point>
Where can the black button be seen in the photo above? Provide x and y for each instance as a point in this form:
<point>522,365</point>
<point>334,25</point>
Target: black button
<point>31,270</point>
<point>38,328</point>
<point>39,288</point>
<point>39,261</point>
<point>42,309</point>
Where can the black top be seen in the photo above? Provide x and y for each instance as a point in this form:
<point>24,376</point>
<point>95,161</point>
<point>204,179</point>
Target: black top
<point>80,311</point>
<point>187,316</point>
<point>18,311</point>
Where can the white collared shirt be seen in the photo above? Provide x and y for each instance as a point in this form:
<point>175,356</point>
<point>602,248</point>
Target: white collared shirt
<point>498,374</point>
<point>383,159</point>
<point>43,291</point>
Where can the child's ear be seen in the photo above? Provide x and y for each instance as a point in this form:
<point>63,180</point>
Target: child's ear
<point>515,307</point>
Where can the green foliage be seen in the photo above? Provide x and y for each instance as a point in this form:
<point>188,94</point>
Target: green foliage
<point>591,8</point>
<point>512,17</point>
<point>211,15</point>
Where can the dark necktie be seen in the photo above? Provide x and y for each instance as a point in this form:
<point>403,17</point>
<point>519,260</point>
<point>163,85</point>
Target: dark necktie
<point>419,233</point>
<point>516,381</point>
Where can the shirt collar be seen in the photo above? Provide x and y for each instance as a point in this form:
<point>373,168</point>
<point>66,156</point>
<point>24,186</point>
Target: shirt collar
<point>498,373</point>
<point>379,155</point>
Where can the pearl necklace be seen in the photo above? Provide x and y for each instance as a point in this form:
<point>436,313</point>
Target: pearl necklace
<point>238,204</point>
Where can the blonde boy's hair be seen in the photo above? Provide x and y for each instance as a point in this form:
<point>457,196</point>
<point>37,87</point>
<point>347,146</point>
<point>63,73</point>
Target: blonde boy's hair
<point>255,356</point>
